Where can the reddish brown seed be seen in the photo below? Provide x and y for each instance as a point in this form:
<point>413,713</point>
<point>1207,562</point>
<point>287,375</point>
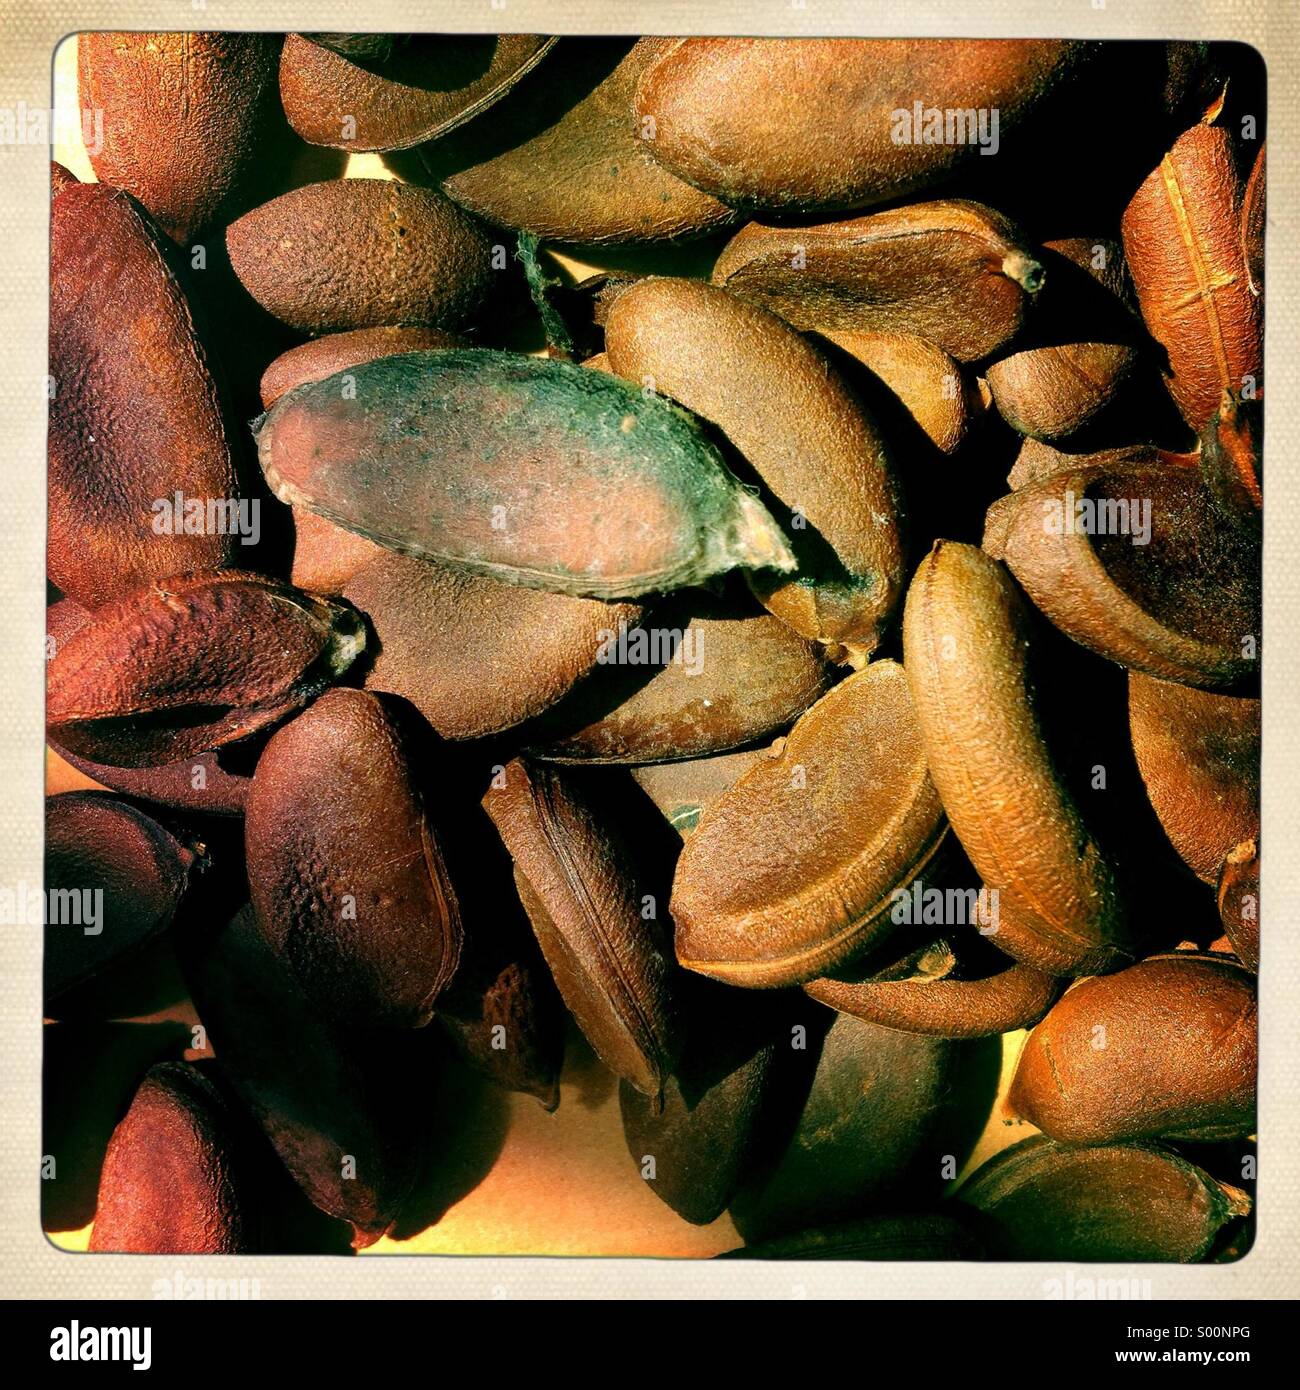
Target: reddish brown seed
<point>189,664</point>
<point>1136,562</point>
<point>183,118</point>
<point>564,159</point>
<point>1081,346</point>
<point>790,873</point>
<point>1238,897</point>
<point>60,178</point>
<point>1124,1202</point>
<point>136,416</point>
<point>1232,459</point>
<point>326,556</point>
<point>473,655</point>
<point>1198,753</point>
<point>815,123</point>
<point>346,874</point>
<point>954,272</point>
<point>967,644</point>
<point>1182,238</point>
<point>724,676</point>
<point>170,1183</point>
<point>1037,460</point>
<point>422,90</point>
<point>362,253</point>
<point>1167,1048</point>
<point>336,352</point>
<point>1254,213</point>
<point>577,883</point>
<point>114,879</point>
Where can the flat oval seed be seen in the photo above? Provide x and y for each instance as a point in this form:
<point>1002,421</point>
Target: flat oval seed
<point>790,873</point>
<point>1198,753</point>
<point>193,663</point>
<point>966,635</point>
<point>98,845</point>
<point>336,352</point>
<point>424,89</point>
<point>170,1181</point>
<point>362,253</point>
<point>725,677</point>
<point>563,158</point>
<point>1136,562</point>
<point>346,874</point>
<point>577,883</point>
<point>954,272</point>
<point>800,428</point>
<point>184,116</point>
<point>518,468</point>
<point>1164,1049</point>
<point>1043,1201</point>
<point>137,416</point>
<point>815,123</point>
<point>1238,898</point>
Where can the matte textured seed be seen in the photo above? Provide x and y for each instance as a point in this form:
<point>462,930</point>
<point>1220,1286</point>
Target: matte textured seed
<point>578,885</point>
<point>1253,220</point>
<point>424,89</point>
<point>1135,562</point>
<point>1165,1049</point>
<point>1038,460</point>
<point>137,416</point>
<point>791,872</point>
<point>1044,1201</point>
<point>1199,755</point>
<point>824,124</point>
<point>326,557</point>
<point>1182,238</point>
<point>954,272</point>
<point>346,874</point>
<point>336,352</point>
<point>190,664</point>
<point>564,159</point>
<point>451,643</point>
<point>1238,898</point>
<point>1082,344</point>
<point>532,471</point>
<point>184,117</point>
<point>1232,459</point>
<point>96,844</point>
<point>61,178</point>
<point>799,427</point>
<point>966,642</point>
<point>362,253</point>
<point>171,1178</point>
<point>723,676</point>
<point>683,791</point>
<point>924,1236</point>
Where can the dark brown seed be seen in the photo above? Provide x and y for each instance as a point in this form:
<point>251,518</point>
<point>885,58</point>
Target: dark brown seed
<point>683,791</point>
<point>136,417</point>
<point>341,1107</point>
<point>967,639</point>
<point>1254,211</point>
<point>576,881</point>
<point>362,253</point>
<point>723,676</point>
<point>791,872</point>
<point>1182,238</point>
<point>564,159</point>
<point>171,1178</point>
<point>954,272</point>
<point>184,116</point>
<point>799,427</point>
<point>60,178</point>
<point>518,468</point>
<point>1165,1049</point>
<point>98,845</point>
<point>865,1134</point>
<point>336,352</point>
<point>1238,896</point>
<point>1044,1201</point>
<point>1082,344</point>
<point>189,664</point>
<point>473,655</point>
<point>1199,757</point>
<point>1136,562</point>
<point>814,124</point>
<point>346,874</point>
<point>924,1236</point>
<point>422,90</point>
